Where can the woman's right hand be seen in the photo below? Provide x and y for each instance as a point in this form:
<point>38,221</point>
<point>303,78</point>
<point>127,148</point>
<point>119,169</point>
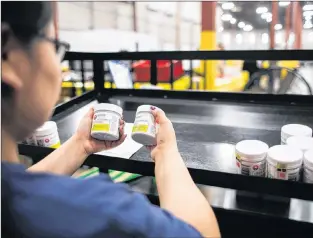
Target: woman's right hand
<point>166,138</point>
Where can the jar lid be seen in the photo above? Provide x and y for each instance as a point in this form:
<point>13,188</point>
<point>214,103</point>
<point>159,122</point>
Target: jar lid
<point>295,130</point>
<point>303,143</point>
<point>109,107</point>
<point>47,128</point>
<point>144,108</point>
<point>251,149</point>
<point>285,154</point>
<point>308,158</point>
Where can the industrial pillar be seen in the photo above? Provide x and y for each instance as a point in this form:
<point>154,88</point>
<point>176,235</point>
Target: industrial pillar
<point>297,24</point>
<point>287,25</point>
<point>208,42</point>
<point>92,15</point>
<point>273,23</point>
<point>134,16</point>
<point>178,25</point>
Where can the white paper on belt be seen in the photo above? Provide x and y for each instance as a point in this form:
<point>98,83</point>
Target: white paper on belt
<point>127,148</point>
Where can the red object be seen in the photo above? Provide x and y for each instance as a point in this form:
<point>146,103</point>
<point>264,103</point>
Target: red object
<point>282,175</point>
<point>142,70</point>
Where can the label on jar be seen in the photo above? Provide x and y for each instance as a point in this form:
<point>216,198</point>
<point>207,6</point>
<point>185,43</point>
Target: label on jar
<point>307,175</point>
<point>249,168</point>
<point>144,123</point>
<point>105,122</point>
<point>31,140</point>
<point>280,171</point>
<point>52,140</point>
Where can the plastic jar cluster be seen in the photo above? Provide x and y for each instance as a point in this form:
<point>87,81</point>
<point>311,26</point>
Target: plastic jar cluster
<point>285,161</point>
<point>105,125</point>
<point>47,136</point>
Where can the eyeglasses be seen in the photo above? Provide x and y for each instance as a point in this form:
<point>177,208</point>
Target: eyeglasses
<point>60,46</point>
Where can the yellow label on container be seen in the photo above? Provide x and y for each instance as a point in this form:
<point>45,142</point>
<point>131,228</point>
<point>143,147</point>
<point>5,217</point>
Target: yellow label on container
<point>101,127</point>
<point>57,145</point>
<point>238,156</point>
<point>281,166</point>
<point>140,128</point>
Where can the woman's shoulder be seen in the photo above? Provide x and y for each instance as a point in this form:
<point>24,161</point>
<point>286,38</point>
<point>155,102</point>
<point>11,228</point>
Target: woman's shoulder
<point>18,179</point>
<point>54,204</point>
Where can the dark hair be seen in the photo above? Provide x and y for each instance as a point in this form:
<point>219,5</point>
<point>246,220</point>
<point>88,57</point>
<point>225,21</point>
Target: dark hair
<point>25,19</point>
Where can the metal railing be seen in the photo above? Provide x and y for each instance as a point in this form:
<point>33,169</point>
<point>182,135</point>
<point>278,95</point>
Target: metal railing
<point>101,72</point>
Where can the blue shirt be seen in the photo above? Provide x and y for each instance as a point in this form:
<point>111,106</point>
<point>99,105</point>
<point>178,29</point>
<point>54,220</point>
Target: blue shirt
<point>48,206</point>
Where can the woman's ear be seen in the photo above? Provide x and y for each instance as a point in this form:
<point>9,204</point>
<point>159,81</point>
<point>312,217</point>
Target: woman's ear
<point>8,74</point>
<point>9,77</point>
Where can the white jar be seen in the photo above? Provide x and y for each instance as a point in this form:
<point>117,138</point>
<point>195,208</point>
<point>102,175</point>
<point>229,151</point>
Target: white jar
<point>30,140</point>
<point>294,130</point>
<point>284,162</point>
<point>144,129</point>
<point>106,122</point>
<point>303,143</point>
<point>251,157</point>
<point>47,135</point>
<point>308,166</point>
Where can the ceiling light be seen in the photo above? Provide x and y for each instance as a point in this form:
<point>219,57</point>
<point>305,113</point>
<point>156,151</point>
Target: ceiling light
<point>228,5</point>
<point>241,24</point>
<point>261,10</point>
<point>308,26</point>
<point>269,19</point>
<point>284,4</point>
<point>236,9</point>
<point>233,20</point>
<point>308,18</point>
<point>278,27</point>
<point>308,13</point>
<point>220,29</point>
<point>226,17</point>
<point>247,28</point>
<point>266,15</point>
<point>308,7</point>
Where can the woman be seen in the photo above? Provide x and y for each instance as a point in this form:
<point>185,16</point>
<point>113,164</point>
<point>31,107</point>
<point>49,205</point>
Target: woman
<point>44,201</point>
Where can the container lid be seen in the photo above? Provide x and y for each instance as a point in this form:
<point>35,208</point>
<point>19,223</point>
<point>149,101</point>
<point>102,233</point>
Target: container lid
<point>47,128</point>
<point>144,108</point>
<point>295,130</point>
<point>285,154</point>
<point>303,143</point>
<point>252,149</point>
<point>109,107</point>
<point>308,158</point>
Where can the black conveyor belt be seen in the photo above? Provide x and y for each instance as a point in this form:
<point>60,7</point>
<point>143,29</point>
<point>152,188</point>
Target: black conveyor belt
<point>206,131</point>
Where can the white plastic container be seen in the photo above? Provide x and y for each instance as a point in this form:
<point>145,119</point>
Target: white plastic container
<point>294,130</point>
<point>30,140</point>
<point>106,122</point>
<point>144,129</point>
<point>47,135</point>
<point>303,143</point>
<point>251,157</point>
<point>284,162</point>
<point>308,166</point>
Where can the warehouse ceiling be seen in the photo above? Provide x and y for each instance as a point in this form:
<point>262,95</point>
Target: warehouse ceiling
<point>258,14</point>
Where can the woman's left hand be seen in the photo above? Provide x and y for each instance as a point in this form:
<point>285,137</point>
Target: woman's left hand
<point>90,144</point>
